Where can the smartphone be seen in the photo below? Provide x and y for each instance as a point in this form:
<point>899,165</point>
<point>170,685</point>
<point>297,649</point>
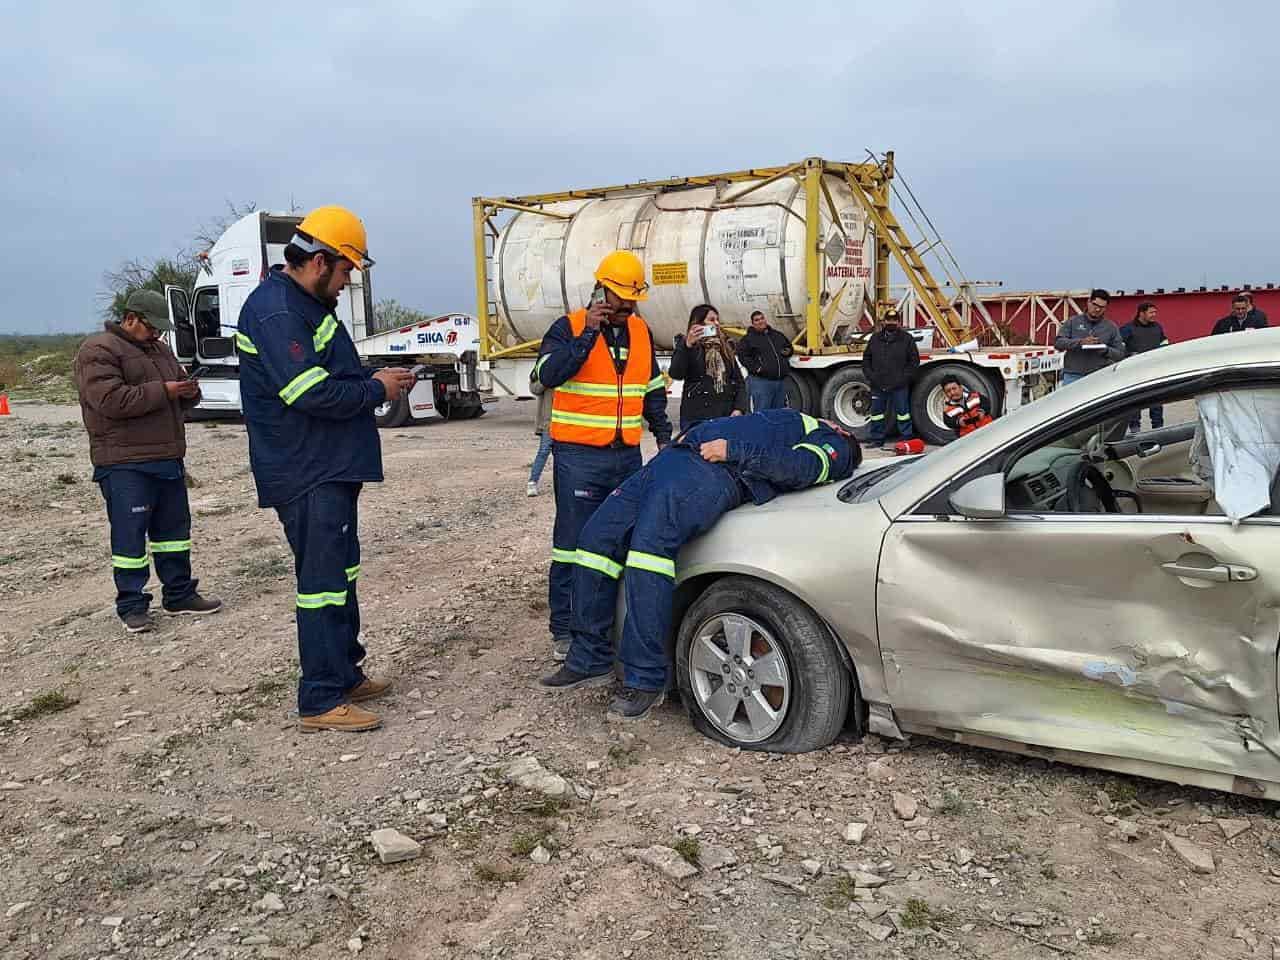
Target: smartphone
<point>710,329</point>
<point>599,296</point>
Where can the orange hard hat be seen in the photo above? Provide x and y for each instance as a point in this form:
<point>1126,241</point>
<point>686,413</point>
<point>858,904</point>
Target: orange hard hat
<point>623,273</point>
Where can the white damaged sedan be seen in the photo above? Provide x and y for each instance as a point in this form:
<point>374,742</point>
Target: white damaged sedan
<point>1056,584</point>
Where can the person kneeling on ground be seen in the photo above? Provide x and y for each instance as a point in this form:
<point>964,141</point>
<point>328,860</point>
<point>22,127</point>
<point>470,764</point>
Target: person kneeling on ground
<point>641,526</point>
<point>966,410</point>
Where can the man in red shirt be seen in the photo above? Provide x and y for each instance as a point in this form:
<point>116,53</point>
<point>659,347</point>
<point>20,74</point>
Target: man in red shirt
<point>966,410</point>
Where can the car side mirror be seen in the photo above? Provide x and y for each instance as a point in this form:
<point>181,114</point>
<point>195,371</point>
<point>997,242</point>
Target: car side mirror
<point>981,498</point>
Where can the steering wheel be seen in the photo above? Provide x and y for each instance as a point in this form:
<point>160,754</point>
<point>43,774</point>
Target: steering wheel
<point>1089,492</point>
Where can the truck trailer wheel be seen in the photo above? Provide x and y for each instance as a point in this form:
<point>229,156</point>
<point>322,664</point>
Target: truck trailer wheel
<point>392,413</point>
<point>927,401</point>
<point>802,392</point>
<point>846,399</point>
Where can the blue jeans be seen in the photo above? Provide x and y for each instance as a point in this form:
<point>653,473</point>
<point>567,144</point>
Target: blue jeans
<point>321,529</point>
<point>1068,377</point>
<point>540,458</point>
<point>766,394</point>
<point>584,477</point>
<point>887,404</point>
<point>638,531</point>
<point>1157,418</point>
<point>142,507</point>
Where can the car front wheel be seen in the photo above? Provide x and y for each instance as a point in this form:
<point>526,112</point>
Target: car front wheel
<point>757,669</point>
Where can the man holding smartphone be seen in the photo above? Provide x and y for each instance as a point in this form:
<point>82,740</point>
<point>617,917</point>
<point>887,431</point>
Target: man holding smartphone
<point>132,396</point>
<point>602,364</point>
<point>313,444</point>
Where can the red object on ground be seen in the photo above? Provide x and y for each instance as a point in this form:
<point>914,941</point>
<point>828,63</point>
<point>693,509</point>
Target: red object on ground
<point>905,447</point>
<point>4,405</point>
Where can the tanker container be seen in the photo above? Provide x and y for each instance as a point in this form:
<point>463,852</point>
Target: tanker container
<point>699,244</point>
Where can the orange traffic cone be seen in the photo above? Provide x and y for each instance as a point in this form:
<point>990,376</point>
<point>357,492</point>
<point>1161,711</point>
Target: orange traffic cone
<point>4,405</point>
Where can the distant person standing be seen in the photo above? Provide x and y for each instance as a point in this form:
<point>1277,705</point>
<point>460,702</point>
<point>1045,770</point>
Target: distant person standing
<point>1243,316</point>
<point>704,359</point>
<point>1143,335</point>
<point>542,430</point>
<point>1089,340</point>
<point>132,397</point>
<point>764,352</point>
<point>889,361</point>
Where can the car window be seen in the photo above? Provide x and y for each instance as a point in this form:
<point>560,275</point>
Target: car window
<point>1210,452</point>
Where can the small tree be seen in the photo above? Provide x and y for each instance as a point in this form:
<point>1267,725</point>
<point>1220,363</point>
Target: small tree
<point>389,314</point>
<point>133,275</point>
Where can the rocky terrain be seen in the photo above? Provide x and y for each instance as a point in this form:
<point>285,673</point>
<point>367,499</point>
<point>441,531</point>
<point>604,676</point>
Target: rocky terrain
<point>157,801</point>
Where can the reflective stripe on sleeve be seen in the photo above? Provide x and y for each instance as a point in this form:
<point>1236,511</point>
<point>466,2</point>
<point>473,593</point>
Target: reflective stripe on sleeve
<point>657,383</point>
<point>170,546</point>
<point>822,458</point>
<point>593,561</point>
<point>303,382</point>
<point>353,573</point>
<point>244,344</point>
<point>128,563</point>
<point>324,333</point>
<point>810,423</point>
<point>314,601</point>
<point>652,563</point>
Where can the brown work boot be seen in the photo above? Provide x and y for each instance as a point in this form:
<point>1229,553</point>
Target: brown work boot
<point>368,689</point>
<point>345,718</point>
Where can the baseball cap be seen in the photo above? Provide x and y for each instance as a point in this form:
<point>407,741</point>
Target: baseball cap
<point>151,306</point>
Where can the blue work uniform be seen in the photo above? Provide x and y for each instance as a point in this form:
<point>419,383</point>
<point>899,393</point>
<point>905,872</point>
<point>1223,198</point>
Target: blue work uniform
<point>677,496</point>
<point>583,475</point>
<point>308,404</point>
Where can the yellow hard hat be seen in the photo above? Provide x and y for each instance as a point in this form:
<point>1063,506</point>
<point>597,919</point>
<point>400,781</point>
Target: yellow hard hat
<point>337,230</point>
<point>623,273</point>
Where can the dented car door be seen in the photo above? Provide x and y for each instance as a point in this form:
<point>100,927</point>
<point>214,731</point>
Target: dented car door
<point>1128,637</point>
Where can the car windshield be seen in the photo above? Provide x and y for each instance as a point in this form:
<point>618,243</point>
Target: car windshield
<point>879,480</point>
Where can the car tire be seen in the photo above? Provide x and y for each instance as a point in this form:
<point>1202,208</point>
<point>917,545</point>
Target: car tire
<point>818,685</point>
<point>393,413</point>
<point>802,392</point>
<point>846,399</point>
<point>927,400</point>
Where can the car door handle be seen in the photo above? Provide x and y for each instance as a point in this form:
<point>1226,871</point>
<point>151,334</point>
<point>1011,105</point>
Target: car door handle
<point>1219,573</point>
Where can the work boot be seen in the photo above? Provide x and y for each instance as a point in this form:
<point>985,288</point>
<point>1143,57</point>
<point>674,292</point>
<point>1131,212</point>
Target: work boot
<point>137,621</point>
<point>632,704</point>
<point>368,688</point>
<point>560,648</point>
<point>193,604</point>
<point>531,489</point>
<point>344,718</point>
<point>566,679</point>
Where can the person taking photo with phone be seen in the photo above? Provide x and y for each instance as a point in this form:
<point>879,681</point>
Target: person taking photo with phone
<point>705,360</point>
<point>601,362</point>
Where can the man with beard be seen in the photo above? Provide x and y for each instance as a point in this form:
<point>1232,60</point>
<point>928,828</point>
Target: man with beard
<point>308,404</point>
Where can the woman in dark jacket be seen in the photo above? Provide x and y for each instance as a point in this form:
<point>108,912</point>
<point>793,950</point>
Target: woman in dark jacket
<point>705,361</point>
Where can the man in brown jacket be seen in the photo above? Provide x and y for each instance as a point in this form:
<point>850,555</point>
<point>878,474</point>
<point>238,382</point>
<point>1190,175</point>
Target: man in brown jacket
<point>132,395</point>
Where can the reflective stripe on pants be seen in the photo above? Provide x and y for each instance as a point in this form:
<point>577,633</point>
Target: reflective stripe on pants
<point>897,403</point>
<point>142,506</point>
<point>322,530</point>
<point>583,476</point>
<point>673,499</point>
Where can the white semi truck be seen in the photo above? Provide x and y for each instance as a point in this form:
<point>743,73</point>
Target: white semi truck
<point>443,350</point>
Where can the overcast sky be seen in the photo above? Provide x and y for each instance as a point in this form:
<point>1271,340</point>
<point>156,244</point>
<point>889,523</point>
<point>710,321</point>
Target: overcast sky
<point>1056,145</point>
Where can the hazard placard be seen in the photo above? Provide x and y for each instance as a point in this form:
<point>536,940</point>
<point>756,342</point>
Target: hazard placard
<point>664,273</point>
